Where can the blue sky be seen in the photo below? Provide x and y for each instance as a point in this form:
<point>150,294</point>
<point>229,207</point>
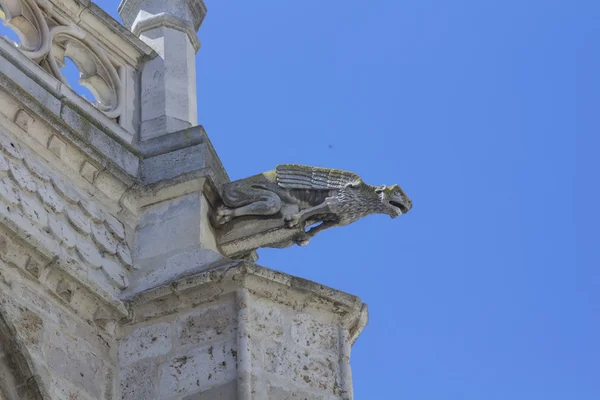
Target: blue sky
<point>486,113</point>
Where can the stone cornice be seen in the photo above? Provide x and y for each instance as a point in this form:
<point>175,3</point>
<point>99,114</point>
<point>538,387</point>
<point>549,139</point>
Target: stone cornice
<point>127,11</point>
<point>142,25</point>
<point>294,292</point>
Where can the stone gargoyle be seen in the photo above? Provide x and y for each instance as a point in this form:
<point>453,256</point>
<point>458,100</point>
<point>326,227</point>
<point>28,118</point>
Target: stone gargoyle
<point>297,197</point>
<point>275,208</point>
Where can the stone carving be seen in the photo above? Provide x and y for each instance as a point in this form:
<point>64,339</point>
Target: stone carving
<point>304,196</point>
<point>48,42</point>
<point>97,72</point>
<point>28,22</point>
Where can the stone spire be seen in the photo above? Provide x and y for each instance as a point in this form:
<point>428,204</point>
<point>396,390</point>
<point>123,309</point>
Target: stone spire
<point>168,83</point>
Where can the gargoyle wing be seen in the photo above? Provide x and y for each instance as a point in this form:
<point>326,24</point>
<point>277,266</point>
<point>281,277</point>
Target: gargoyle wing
<point>292,176</point>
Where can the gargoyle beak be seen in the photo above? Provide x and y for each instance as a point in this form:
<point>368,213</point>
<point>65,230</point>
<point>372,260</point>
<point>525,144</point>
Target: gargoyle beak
<point>402,206</point>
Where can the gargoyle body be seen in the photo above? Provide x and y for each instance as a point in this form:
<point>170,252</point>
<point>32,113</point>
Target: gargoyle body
<point>330,197</point>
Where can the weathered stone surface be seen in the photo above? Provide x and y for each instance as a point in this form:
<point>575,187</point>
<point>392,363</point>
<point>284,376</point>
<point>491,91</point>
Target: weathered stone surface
<point>227,391</point>
<point>146,342</point>
<point>308,332</point>
<point>50,198</point>
<point>215,323</point>
<point>91,209</point>
<point>115,272</point>
<point>10,148</point>
<point>77,190</point>
<point>162,269</point>
<point>124,255</point>
<point>23,119</point>
<point>140,380</point>
<point>89,253</point>
<point>168,226</point>
<point>9,193</point>
<point>303,368</point>
<point>186,373</point>
<point>78,219</point>
<point>115,226</point>
<point>34,209</point>
<point>281,393</point>
<point>284,345</point>
<point>4,165</point>
<point>266,320</point>
<point>22,177</point>
<point>104,239</point>
<point>62,231</point>
<point>89,172</point>
<point>168,82</point>
<point>76,364</point>
<point>66,190</point>
<point>36,168</point>
<point>57,146</point>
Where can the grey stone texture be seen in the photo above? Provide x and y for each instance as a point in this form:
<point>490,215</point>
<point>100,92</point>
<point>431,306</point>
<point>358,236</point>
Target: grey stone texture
<point>114,284</point>
<point>168,82</point>
<point>244,326</point>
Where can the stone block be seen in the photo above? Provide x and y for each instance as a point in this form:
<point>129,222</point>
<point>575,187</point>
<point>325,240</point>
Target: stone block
<point>14,74</point>
<point>62,389</point>
<point>89,172</point>
<point>27,323</point>
<point>23,119</point>
<point>22,177</point>
<point>144,343</point>
<point>165,268</point>
<point>206,367</point>
<point>213,324</point>
<point>280,393</point>
<point>38,304</point>
<point>100,140</point>
<point>168,226</point>
<point>312,334</point>
<point>227,391</point>
<point>139,380</point>
<point>57,146</point>
<point>70,359</point>
<point>303,368</point>
<point>267,321</point>
<point>173,164</point>
<point>34,210</point>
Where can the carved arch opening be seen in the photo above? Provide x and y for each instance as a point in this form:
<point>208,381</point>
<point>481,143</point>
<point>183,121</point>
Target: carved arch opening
<point>26,19</point>
<point>97,73</point>
<point>17,382</point>
<point>7,32</point>
<point>49,40</point>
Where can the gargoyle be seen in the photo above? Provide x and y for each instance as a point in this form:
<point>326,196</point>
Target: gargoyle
<point>328,197</point>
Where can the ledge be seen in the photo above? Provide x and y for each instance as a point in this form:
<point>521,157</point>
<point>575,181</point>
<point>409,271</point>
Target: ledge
<point>294,292</point>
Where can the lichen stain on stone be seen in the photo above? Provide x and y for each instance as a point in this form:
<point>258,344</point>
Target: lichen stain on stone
<point>178,363</point>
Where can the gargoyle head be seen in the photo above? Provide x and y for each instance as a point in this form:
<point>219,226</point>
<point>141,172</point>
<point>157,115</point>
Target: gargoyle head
<point>395,201</point>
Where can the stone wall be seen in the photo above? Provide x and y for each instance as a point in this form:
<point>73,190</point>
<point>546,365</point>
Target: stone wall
<point>113,283</point>
<point>239,332</point>
<point>71,356</point>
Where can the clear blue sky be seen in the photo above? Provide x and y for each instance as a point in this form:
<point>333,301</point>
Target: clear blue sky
<point>487,113</point>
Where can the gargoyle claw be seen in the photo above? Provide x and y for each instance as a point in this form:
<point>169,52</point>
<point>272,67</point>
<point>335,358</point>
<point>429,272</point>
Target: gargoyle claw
<point>223,215</point>
<point>293,220</point>
<point>302,242</point>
